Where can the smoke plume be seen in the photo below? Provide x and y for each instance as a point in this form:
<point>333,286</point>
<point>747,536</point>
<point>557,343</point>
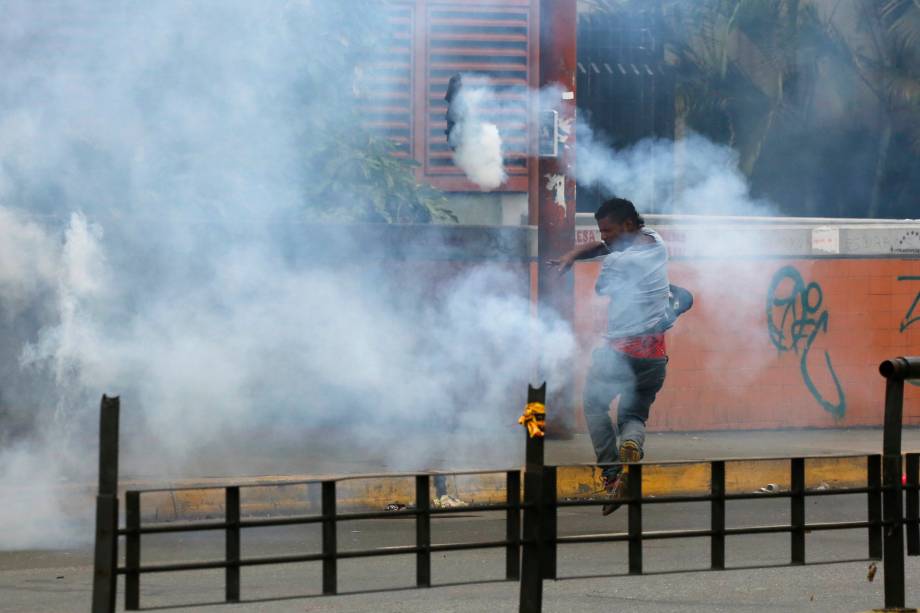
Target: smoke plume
<point>153,245</point>
<point>477,142</point>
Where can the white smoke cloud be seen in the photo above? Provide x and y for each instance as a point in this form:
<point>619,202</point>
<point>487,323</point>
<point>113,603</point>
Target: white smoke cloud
<point>33,513</point>
<point>151,165</point>
<point>707,176</point>
<point>477,142</point>
<point>28,261</point>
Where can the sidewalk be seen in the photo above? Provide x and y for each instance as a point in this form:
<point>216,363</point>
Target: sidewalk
<point>288,463</point>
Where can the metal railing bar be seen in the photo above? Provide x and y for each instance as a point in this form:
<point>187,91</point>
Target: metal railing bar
<point>388,551</point>
<point>623,536</point>
<point>503,506</point>
<point>844,525</point>
<point>666,534</point>
<point>317,480</point>
<point>222,525</point>
<point>315,557</point>
<point>724,459</point>
<point>259,523</point>
<point>468,546</point>
<point>708,497</point>
<point>215,564</point>
<point>670,534</point>
<point>592,538</point>
<point>759,529</point>
<point>710,570</point>
<point>294,520</point>
<point>178,527</point>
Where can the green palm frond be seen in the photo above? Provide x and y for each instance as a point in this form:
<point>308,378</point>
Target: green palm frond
<point>902,19</point>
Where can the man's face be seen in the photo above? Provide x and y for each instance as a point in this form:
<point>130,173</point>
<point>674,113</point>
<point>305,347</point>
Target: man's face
<point>612,231</point>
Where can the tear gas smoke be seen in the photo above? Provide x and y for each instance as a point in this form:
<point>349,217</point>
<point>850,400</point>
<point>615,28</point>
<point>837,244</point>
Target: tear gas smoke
<point>477,142</point>
<point>707,174</point>
<point>152,166</point>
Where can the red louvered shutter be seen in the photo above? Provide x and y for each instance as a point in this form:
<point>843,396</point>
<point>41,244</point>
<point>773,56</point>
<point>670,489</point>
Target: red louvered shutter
<point>495,39</point>
<point>385,87</point>
<point>401,92</point>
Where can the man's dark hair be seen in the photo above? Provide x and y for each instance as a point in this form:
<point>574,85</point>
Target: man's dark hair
<point>619,210</point>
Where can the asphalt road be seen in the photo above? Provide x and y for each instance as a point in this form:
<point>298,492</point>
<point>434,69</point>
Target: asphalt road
<point>592,577</point>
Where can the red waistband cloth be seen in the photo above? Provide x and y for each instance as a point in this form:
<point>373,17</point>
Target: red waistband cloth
<point>645,346</point>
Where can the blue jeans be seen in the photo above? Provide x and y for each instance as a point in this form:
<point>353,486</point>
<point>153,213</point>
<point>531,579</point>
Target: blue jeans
<point>636,381</point>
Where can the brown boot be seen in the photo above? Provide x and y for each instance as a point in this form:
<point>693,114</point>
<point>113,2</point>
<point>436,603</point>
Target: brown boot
<point>616,486</point>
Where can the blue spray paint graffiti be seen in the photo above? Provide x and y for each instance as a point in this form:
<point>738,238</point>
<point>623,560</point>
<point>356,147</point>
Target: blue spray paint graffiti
<point>910,317</point>
<point>798,326</point>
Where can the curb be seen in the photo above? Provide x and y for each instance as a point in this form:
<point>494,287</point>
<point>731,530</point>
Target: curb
<point>294,495</point>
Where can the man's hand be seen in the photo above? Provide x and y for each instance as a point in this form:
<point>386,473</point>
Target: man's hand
<point>563,263</point>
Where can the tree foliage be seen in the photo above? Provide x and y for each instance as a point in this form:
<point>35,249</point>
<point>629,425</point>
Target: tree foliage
<point>378,185</point>
<point>821,100</point>
<point>353,173</point>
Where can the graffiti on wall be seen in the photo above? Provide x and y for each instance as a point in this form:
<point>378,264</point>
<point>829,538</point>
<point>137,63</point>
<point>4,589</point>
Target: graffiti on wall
<point>794,320</point>
<point>913,314</point>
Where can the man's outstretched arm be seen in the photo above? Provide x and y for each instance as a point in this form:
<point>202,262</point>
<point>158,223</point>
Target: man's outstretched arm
<point>586,251</point>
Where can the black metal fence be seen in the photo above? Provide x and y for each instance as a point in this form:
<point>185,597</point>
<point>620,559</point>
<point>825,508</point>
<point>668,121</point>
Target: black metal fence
<point>530,546</point>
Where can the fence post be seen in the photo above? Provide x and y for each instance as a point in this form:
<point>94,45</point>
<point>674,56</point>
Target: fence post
<point>913,504</point>
<point>895,371</point>
<point>893,561</point>
<point>549,522</point>
<point>717,515</point>
<point>330,561</point>
<point>105,566</point>
<point>797,509</point>
<point>874,483</point>
<point>513,525</point>
<point>232,544</point>
<point>132,551</point>
<point>423,531</point>
<point>531,599</point>
<point>634,525</point>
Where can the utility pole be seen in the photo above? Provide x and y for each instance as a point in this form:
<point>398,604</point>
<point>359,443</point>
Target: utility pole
<point>556,187</point>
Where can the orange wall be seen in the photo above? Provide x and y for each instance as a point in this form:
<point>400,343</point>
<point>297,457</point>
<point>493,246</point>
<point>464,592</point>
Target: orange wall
<point>726,372</point>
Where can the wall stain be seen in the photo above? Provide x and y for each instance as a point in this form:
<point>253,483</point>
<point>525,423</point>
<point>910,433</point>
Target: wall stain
<point>794,320</point>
